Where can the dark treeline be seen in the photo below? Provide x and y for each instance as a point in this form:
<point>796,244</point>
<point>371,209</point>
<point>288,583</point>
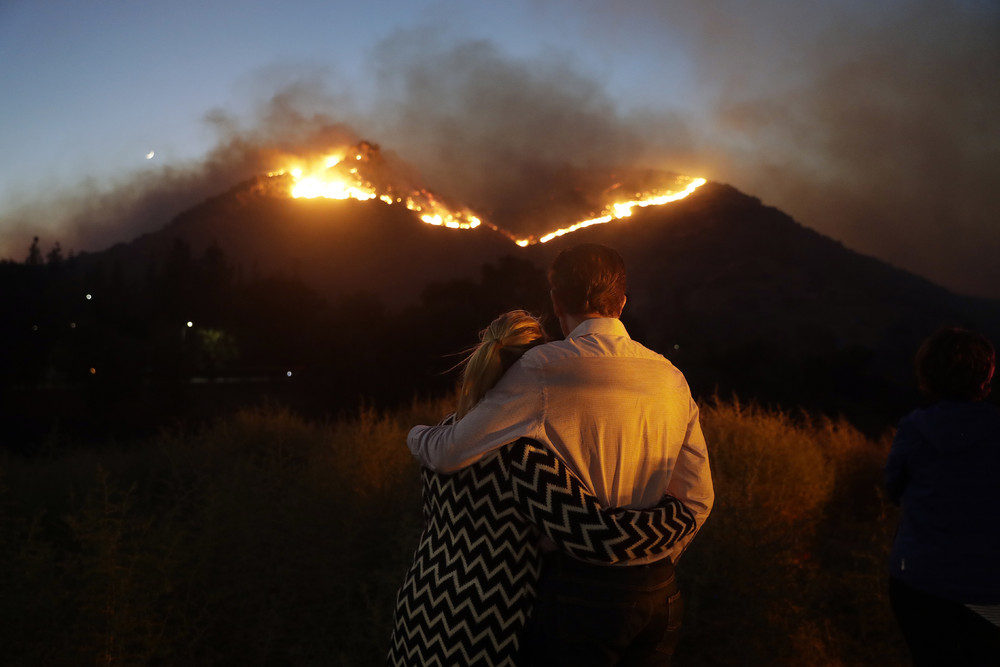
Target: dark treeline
<point>91,355</point>
<point>166,523</point>
<point>92,351</point>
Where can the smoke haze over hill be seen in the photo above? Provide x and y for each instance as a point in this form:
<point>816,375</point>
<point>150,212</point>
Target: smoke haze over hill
<point>875,126</point>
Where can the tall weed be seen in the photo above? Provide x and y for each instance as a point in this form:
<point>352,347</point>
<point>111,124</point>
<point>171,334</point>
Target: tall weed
<point>266,539</point>
<point>767,579</point>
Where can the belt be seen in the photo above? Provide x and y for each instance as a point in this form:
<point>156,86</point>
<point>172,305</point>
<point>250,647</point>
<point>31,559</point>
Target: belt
<point>556,562</point>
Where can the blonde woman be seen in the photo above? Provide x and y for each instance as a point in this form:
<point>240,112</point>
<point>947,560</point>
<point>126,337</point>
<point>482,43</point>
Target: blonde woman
<point>470,589</point>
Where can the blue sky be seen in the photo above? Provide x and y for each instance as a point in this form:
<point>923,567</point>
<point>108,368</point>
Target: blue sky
<point>94,86</point>
<point>876,127</point>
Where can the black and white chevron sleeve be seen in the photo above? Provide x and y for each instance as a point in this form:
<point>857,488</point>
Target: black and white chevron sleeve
<point>555,500</point>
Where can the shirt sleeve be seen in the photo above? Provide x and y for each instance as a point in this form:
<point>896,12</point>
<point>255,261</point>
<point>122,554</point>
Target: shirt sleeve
<point>554,499</point>
<point>691,480</point>
<point>512,409</point>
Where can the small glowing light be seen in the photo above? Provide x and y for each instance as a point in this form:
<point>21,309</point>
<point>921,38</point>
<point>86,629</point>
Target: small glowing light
<point>89,297</point>
<point>72,325</point>
<point>190,324</point>
<point>289,374</point>
<point>93,371</point>
<point>150,154</point>
<point>676,346</point>
<point>34,327</point>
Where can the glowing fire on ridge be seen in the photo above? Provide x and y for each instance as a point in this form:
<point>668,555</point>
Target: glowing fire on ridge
<point>619,210</point>
<point>336,176</point>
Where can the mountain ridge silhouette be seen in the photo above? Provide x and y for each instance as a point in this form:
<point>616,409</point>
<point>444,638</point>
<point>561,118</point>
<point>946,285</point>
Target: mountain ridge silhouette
<point>739,295</point>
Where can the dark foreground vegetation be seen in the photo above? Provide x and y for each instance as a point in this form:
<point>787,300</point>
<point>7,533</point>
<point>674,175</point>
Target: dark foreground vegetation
<point>265,538</point>
<point>102,348</point>
<point>94,354</point>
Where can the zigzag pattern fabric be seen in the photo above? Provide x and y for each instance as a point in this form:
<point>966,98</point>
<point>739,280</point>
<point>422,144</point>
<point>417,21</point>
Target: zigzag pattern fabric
<point>554,499</point>
<point>470,589</point>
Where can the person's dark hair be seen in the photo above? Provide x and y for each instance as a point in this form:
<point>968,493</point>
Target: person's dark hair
<point>589,278</point>
<point>956,364</point>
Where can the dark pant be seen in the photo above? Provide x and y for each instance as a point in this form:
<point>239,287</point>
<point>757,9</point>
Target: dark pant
<point>942,632</point>
<point>602,615</point>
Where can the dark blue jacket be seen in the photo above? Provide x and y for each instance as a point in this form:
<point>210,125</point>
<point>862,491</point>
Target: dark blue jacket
<point>944,469</point>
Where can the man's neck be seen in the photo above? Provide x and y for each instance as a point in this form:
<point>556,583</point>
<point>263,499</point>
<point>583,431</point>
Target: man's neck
<point>569,322</point>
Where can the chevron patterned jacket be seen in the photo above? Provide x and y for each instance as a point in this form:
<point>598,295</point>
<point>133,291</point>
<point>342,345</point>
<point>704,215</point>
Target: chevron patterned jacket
<point>471,586</point>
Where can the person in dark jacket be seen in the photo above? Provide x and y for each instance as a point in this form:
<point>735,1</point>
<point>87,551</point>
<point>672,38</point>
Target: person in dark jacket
<point>944,471</point>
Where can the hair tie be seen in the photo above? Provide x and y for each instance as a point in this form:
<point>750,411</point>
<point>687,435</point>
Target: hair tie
<point>492,340</point>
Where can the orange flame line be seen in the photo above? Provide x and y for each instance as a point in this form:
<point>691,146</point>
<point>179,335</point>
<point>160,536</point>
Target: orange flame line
<point>618,211</point>
<point>435,214</point>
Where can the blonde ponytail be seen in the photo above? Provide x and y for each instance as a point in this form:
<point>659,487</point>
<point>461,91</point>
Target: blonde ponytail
<point>500,344</point>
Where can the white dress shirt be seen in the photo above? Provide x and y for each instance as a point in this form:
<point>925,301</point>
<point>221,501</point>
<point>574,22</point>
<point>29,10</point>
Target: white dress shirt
<point>618,414</point>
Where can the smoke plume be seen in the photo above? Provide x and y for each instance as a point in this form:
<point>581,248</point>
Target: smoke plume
<point>874,124</point>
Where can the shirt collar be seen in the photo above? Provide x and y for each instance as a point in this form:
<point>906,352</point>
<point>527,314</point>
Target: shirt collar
<point>607,326</point>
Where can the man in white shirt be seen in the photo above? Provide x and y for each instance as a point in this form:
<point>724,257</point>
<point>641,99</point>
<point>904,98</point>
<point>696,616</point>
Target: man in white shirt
<point>622,418</point>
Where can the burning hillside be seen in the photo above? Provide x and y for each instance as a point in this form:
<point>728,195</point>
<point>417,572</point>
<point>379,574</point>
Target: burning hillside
<point>360,172</point>
<point>579,199</point>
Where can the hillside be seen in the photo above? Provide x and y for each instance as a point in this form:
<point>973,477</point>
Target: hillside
<point>741,296</point>
<point>366,302</point>
<point>338,247</point>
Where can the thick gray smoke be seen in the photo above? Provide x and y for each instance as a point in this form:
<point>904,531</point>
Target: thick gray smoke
<point>877,125</point>
<point>94,217</point>
<point>508,137</point>
<point>874,123</point>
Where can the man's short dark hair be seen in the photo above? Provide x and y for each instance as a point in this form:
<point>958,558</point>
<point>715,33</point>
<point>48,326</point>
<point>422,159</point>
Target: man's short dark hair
<point>956,364</point>
<point>589,278</point>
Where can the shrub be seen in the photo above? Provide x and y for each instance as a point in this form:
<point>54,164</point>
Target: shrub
<point>768,578</point>
<point>264,538</point>
<point>260,539</point>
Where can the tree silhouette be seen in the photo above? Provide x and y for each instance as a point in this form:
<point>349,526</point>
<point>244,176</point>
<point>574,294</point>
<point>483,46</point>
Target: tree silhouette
<point>34,254</point>
<point>55,255</point>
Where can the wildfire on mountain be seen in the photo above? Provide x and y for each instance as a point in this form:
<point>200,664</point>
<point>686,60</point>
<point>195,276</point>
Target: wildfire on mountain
<point>619,210</point>
<point>361,173</point>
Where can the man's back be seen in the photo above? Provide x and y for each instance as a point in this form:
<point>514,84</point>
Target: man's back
<point>618,414</point>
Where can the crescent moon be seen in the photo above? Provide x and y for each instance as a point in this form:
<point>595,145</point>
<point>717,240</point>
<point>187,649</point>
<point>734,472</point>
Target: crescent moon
<point>150,154</point>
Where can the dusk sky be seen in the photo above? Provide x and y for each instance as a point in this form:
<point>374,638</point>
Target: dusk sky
<point>877,124</point>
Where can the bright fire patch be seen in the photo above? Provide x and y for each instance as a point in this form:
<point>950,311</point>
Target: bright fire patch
<point>360,174</point>
<point>336,176</point>
<point>619,210</point>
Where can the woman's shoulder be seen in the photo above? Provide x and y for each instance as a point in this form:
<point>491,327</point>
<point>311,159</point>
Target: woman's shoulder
<point>958,411</point>
<point>976,419</point>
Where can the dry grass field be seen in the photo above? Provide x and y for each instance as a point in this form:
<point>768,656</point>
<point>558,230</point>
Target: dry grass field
<point>267,539</point>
